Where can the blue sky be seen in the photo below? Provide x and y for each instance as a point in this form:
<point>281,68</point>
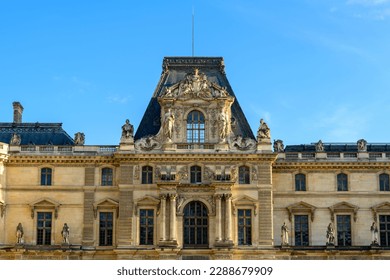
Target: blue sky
<point>313,69</point>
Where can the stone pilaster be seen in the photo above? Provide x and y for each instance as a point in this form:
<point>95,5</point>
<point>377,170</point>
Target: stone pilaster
<point>218,217</point>
<point>228,218</point>
<point>163,207</point>
<point>125,219</point>
<point>88,232</point>
<point>172,221</point>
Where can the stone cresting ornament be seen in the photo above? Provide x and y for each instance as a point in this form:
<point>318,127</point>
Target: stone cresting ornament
<point>263,133</point>
<point>195,85</point>
<point>362,145</point>
<point>278,146</point>
<point>79,138</point>
<point>15,139</point>
<point>319,146</point>
<point>242,144</point>
<point>147,143</point>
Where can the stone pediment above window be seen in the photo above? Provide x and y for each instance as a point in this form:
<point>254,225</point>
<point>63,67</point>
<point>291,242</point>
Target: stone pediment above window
<point>105,204</point>
<point>245,201</point>
<point>195,86</point>
<point>301,208</point>
<point>380,208</point>
<point>44,204</point>
<point>343,207</point>
<point>146,202</point>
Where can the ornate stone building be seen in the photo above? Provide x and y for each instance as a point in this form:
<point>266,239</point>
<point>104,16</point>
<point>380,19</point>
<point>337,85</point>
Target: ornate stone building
<point>193,182</point>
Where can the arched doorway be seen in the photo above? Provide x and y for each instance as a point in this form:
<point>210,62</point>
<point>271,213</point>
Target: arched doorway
<point>195,225</point>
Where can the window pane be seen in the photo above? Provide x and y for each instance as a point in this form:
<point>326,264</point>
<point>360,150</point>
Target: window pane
<point>344,230</point>
<point>301,230</point>
<point>244,227</point>
<point>195,127</point>
<point>342,182</point>
<point>146,227</point>
<point>300,182</point>
<point>384,230</point>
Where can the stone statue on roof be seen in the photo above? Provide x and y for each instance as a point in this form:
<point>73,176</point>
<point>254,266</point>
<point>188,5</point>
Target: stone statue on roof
<point>263,133</point>
<point>362,145</point>
<point>127,130</point>
<point>319,146</point>
<point>79,138</point>
<point>15,139</point>
<point>278,146</point>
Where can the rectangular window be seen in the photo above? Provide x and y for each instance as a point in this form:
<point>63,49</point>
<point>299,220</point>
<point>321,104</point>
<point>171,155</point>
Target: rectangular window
<point>106,226</point>
<point>147,175</point>
<point>46,174</point>
<point>107,176</point>
<point>44,220</point>
<point>243,175</point>
<point>300,182</point>
<point>301,230</point>
<point>384,230</point>
<point>146,224</point>
<point>344,236</point>
<point>244,227</point>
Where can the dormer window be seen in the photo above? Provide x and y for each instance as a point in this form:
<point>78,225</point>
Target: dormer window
<point>195,127</point>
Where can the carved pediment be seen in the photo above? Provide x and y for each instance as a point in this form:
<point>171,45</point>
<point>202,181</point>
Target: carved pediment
<point>344,207</point>
<point>380,208</point>
<point>106,203</point>
<point>244,201</point>
<point>301,207</point>
<point>44,203</point>
<point>195,85</point>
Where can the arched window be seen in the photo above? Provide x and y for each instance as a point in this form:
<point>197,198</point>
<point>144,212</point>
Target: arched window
<point>243,175</point>
<point>342,182</point>
<point>107,176</point>
<point>46,176</point>
<point>300,182</point>
<point>195,127</point>
<point>384,182</point>
<point>196,174</point>
<point>147,175</point>
<point>195,225</point>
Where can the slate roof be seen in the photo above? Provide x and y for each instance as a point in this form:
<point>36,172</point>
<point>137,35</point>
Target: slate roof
<point>36,133</point>
<point>175,70</point>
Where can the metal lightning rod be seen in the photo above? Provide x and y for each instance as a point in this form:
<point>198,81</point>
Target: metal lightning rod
<point>193,32</point>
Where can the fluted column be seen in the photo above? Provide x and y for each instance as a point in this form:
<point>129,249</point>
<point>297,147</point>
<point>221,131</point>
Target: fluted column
<point>163,206</point>
<point>218,217</point>
<point>228,217</point>
<point>172,221</point>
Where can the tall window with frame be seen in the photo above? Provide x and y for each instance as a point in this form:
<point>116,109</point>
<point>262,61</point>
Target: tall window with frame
<point>244,222</point>
<point>44,225</point>
<point>146,226</point>
<point>384,182</point>
<point>300,182</point>
<point>106,228</point>
<point>301,230</point>
<point>243,175</point>
<point>107,176</point>
<point>344,234</point>
<point>147,175</point>
<point>342,182</point>
<point>195,127</point>
<point>384,230</point>
<point>196,174</point>
<point>46,176</point>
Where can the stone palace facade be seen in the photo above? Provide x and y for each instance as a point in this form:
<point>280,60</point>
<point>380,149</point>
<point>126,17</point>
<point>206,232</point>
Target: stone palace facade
<point>193,182</point>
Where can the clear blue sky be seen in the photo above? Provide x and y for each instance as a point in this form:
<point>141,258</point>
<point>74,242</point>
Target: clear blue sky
<point>313,69</point>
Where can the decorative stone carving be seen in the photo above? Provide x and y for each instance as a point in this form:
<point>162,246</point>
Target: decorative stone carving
<point>79,138</point>
<point>195,85</point>
<point>15,139</point>
<point>233,174</point>
<point>374,234</point>
<point>223,125</point>
<point>65,233</point>
<point>319,146</point>
<point>147,143</point>
<point>127,131</point>
<point>183,174</point>
<point>242,144</point>
<point>178,114</point>
<point>278,146</point>
<point>168,124</point>
<point>330,235</point>
<point>179,202</point>
<point>19,234</point>
<point>254,174</point>
<point>284,235</point>
<point>263,133</point>
<point>208,174</point>
<point>362,145</point>
<point>136,172</point>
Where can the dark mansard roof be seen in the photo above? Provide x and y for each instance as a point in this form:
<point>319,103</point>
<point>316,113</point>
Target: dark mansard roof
<point>174,70</point>
<point>36,133</point>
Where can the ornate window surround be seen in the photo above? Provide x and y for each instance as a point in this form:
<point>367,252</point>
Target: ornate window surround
<point>106,205</point>
<point>147,202</point>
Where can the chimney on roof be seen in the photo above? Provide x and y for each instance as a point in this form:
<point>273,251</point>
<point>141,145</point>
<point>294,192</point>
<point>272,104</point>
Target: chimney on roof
<point>18,110</point>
